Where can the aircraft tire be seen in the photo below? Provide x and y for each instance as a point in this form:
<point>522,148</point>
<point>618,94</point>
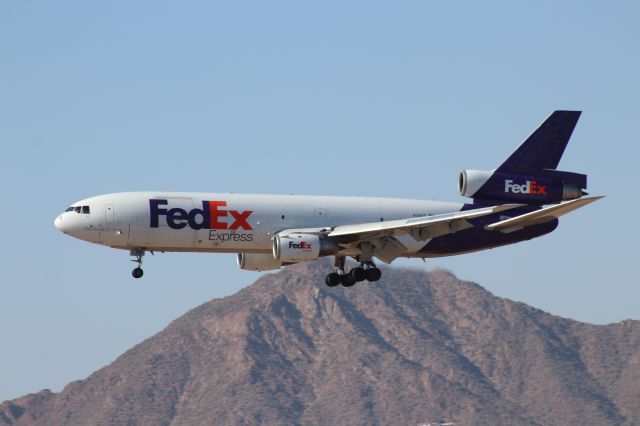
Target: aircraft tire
<point>358,274</point>
<point>332,279</point>
<point>137,273</point>
<point>373,274</point>
<point>347,280</point>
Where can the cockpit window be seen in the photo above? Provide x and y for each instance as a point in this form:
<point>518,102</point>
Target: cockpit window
<point>79,209</point>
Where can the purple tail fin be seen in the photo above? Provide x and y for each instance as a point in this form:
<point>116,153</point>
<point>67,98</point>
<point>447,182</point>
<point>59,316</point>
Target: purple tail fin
<point>544,148</point>
<point>529,175</point>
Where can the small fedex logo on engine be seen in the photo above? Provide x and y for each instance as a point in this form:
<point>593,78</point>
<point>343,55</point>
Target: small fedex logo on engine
<point>529,187</point>
<point>302,245</point>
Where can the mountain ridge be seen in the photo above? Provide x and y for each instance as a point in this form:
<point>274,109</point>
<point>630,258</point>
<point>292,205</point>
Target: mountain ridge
<point>413,348</point>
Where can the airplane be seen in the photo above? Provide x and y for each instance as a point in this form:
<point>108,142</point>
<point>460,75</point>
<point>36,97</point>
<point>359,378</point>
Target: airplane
<point>519,200</point>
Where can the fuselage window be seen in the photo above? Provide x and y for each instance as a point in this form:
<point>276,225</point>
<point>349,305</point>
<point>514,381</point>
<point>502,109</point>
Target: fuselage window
<point>77,209</point>
<point>85,209</point>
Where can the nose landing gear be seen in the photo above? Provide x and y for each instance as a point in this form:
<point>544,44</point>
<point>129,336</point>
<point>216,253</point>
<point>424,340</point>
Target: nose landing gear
<point>138,253</point>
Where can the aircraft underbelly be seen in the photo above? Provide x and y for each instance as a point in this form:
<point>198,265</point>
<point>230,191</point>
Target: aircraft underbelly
<point>477,238</point>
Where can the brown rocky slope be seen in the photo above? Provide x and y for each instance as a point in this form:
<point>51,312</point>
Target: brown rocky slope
<point>413,348</point>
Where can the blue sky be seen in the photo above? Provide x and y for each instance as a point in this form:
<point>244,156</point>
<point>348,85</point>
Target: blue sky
<point>359,98</point>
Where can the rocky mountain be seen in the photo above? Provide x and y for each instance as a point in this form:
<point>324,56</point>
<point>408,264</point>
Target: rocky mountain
<point>413,348</point>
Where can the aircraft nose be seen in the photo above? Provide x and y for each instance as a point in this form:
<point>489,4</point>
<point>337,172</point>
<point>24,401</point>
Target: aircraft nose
<point>59,224</point>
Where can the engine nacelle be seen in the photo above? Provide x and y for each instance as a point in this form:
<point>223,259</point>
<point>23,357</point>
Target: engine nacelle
<point>470,181</point>
<point>258,262</point>
<point>547,186</point>
<point>301,247</point>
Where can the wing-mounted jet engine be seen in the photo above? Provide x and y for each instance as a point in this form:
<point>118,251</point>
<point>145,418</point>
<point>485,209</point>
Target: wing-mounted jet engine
<point>297,247</point>
<point>258,262</point>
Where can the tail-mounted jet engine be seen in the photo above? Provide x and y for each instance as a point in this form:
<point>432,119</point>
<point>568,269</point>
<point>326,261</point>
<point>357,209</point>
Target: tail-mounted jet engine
<point>541,187</point>
<point>300,247</point>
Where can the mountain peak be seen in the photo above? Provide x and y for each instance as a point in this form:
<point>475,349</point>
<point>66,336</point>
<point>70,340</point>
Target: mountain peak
<point>415,347</point>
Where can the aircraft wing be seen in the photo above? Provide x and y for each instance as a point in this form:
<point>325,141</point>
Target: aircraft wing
<point>420,227</point>
<point>540,216</point>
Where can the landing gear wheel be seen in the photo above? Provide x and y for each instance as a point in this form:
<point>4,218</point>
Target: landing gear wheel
<point>347,280</point>
<point>138,253</point>
<point>373,274</point>
<point>358,274</point>
<point>332,279</point>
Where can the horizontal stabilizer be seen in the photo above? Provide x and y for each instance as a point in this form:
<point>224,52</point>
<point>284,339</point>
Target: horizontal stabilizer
<point>540,216</point>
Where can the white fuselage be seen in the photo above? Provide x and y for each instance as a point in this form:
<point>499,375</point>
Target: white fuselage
<point>216,222</point>
<point>271,231</point>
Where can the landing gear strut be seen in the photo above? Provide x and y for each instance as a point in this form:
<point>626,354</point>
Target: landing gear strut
<point>366,271</point>
<point>138,253</point>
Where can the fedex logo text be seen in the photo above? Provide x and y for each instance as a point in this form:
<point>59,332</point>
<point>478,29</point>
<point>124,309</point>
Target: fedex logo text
<point>530,187</point>
<point>303,245</point>
<point>209,217</point>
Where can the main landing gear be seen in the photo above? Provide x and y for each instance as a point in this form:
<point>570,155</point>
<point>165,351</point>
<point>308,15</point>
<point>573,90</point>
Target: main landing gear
<point>138,253</point>
<point>366,271</point>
